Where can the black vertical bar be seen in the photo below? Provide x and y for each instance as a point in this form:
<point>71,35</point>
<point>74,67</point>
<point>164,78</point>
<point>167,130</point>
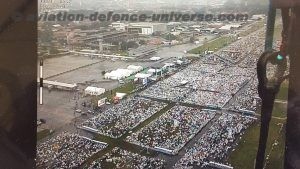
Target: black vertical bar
<point>270,27</point>
<point>292,151</point>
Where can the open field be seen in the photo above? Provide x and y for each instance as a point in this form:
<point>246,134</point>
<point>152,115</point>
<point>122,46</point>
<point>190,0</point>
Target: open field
<point>245,153</point>
<point>213,45</point>
<point>57,65</point>
<point>283,93</point>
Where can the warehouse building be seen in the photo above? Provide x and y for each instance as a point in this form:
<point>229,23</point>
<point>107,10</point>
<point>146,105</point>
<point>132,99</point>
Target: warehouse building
<point>146,28</point>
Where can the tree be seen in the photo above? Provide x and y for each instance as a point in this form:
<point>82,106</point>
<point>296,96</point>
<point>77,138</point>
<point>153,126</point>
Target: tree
<point>131,44</point>
<point>192,39</point>
<point>170,37</point>
<point>142,42</point>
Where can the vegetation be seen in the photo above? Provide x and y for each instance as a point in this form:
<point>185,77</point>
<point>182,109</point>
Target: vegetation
<point>43,134</point>
<point>283,93</point>
<point>213,45</point>
<point>126,45</point>
<point>169,37</point>
<point>245,153</point>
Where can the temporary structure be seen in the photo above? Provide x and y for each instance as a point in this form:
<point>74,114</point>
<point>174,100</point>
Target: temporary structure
<point>94,91</point>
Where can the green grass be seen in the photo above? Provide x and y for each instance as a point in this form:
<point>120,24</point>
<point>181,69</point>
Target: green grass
<point>280,110</point>
<point>213,45</point>
<point>283,92</point>
<point>277,32</point>
<point>244,155</point>
<point>277,154</point>
<point>122,53</point>
<point>42,134</point>
<point>225,40</point>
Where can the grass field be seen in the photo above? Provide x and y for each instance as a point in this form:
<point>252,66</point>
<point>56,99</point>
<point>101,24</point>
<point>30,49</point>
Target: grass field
<point>244,155</point>
<point>213,45</point>
<point>279,110</point>
<point>42,134</point>
<point>225,40</point>
<point>283,93</point>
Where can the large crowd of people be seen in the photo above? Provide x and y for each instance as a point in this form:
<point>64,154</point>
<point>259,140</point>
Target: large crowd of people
<point>238,71</point>
<point>242,48</point>
<point>212,82</point>
<point>209,85</point>
<point>207,98</point>
<point>124,116</point>
<point>215,144</point>
<point>215,78</point>
<point>248,99</point>
<point>119,159</point>
<point>66,151</point>
<point>173,129</point>
<point>221,83</point>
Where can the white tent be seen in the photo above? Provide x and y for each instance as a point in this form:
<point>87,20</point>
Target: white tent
<point>118,74</point>
<point>121,95</point>
<point>95,91</point>
<point>179,62</point>
<point>155,58</point>
<point>135,69</point>
<point>142,75</point>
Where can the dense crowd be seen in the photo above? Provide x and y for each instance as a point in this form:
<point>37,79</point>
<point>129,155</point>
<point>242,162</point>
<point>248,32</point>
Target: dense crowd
<point>207,98</point>
<point>166,92</point>
<point>119,159</point>
<point>213,59</point>
<point>66,150</point>
<point>238,71</point>
<point>206,68</point>
<point>242,48</point>
<point>173,129</point>
<point>209,85</point>
<point>124,116</point>
<point>257,41</point>
<point>211,82</point>
<point>221,83</point>
<point>248,99</point>
<point>215,144</point>
<point>214,79</point>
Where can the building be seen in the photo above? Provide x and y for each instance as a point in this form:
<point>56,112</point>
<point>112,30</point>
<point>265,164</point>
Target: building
<point>146,28</point>
<point>119,26</point>
<point>59,85</point>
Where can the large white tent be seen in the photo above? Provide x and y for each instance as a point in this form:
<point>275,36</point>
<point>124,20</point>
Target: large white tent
<point>123,73</point>
<point>135,68</point>
<point>142,75</point>
<point>94,91</point>
<point>118,74</point>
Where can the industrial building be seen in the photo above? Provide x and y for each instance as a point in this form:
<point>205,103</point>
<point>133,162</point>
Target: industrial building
<point>146,28</point>
<point>59,85</point>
